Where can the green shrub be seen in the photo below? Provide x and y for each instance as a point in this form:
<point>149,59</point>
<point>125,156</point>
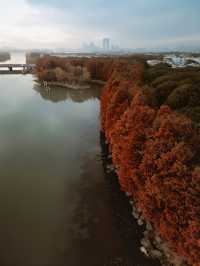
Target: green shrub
<point>159,80</point>
<point>179,97</point>
<point>163,90</point>
<point>194,99</point>
<point>193,113</point>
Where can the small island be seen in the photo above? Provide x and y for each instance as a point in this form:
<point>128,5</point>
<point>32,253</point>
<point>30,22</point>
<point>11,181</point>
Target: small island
<point>64,72</point>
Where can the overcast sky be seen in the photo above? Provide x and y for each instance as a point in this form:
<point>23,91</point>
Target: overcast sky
<point>129,23</point>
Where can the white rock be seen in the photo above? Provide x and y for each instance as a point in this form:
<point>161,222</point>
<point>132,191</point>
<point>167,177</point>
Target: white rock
<point>140,222</point>
<point>145,243</point>
<point>158,239</point>
<point>131,202</point>
<point>135,215</point>
<point>149,227</point>
<point>143,250</point>
<point>146,233</point>
<point>156,253</point>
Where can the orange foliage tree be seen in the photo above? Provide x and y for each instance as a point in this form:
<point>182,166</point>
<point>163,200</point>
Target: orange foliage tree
<point>155,152</point>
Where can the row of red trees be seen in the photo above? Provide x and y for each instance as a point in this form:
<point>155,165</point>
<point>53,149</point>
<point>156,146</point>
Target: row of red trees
<point>155,151</point>
<point>99,69</point>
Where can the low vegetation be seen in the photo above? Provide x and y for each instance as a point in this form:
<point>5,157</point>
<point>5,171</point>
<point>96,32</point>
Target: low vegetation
<point>4,56</point>
<point>178,88</point>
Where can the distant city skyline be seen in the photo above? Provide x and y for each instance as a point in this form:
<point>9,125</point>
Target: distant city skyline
<point>53,24</point>
<point>106,44</point>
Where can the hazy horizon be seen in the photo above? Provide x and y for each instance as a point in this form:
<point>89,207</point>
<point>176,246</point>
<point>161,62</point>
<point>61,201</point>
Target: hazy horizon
<point>50,24</point>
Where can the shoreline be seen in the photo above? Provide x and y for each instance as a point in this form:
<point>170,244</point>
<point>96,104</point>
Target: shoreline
<point>86,86</point>
<point>152,245</point>
<point>131,226</point>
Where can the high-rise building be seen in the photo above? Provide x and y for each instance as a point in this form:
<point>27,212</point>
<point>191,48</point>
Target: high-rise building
<point>106,44</point>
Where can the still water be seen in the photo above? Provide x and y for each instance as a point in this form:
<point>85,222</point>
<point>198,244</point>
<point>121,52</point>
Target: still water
<point>56,206</point>
<point>46,145</point>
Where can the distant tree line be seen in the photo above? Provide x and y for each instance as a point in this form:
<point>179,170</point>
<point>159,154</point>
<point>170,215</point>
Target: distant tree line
<point>4,56</point>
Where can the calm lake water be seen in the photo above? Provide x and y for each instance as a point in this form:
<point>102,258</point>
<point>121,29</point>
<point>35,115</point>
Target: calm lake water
<point>56,205</point>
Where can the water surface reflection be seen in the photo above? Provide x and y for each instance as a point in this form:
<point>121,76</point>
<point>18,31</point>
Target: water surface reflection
<point>59,94</point>
<point>42,144</point>
<point>56,206</point>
